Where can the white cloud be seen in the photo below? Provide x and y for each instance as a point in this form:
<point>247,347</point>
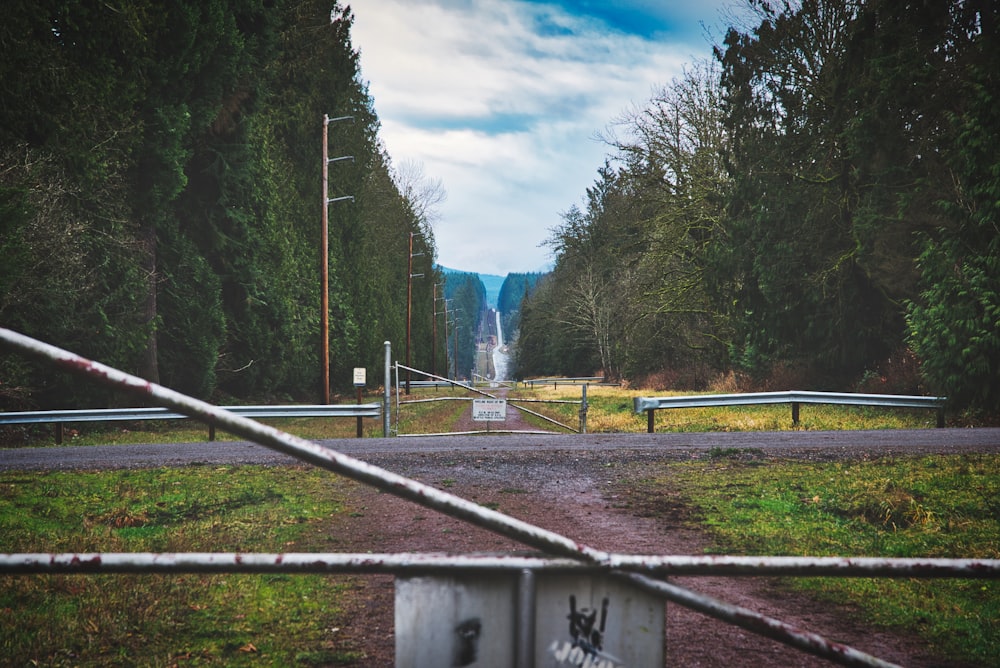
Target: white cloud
<point>501,100</point>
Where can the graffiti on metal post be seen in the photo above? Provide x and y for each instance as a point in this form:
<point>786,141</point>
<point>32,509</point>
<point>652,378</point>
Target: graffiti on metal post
<point>467,642</point>
<point>585,649</point>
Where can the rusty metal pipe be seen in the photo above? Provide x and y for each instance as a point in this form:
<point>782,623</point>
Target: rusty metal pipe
<point>808,566</point>
<point>69,563</point>
<point>775,629</point>
<point>321,562</point>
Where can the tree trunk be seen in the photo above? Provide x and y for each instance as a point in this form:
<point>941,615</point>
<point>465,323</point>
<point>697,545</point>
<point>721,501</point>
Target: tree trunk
<point>149,367</point>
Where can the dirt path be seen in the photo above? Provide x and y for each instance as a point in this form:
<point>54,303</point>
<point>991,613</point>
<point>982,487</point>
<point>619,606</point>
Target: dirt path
<point>578,493</point>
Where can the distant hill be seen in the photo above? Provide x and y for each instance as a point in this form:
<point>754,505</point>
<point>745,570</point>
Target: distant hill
<point>491,282</point>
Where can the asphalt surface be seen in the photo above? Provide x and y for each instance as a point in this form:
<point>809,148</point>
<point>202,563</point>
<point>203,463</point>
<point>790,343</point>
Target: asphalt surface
<point>816,445</point>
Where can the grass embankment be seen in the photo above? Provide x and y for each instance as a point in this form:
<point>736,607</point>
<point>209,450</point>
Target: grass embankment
<point>940,506</point>
<point>918,507</point>
<point>88,620</point>
<point>610,410</point>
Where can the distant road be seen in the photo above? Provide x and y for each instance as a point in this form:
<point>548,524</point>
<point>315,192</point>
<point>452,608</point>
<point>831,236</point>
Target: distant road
<point>810,445</point>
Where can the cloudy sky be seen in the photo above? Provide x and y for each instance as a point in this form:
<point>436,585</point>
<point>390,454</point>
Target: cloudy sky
<point>500,100</point>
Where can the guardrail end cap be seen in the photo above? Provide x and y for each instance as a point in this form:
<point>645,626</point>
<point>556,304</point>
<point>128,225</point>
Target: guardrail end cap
<point>642,404</point>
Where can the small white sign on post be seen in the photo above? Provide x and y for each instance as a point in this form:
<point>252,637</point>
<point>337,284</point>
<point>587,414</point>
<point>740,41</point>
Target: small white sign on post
<point>359,377</point>
<point>489,410</point>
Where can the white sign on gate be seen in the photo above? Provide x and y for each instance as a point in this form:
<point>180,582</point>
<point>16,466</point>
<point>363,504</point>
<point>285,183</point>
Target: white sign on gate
<point>489,410</point>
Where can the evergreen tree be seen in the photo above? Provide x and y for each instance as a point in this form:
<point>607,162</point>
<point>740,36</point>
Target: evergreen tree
<point>161,197</point>
<point>954,324</point>
<point>514,290</point>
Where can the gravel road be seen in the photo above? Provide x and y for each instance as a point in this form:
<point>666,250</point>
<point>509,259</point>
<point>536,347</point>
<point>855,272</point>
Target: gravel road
<point>817,445</point>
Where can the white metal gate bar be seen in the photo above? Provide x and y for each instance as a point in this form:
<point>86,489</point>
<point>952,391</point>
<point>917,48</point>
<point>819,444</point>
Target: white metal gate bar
<point>760,624</point>
<point>401,562</point>
<point>867,567</point>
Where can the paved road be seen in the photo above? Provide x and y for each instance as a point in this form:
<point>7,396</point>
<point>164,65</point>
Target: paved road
<point>792,444</point>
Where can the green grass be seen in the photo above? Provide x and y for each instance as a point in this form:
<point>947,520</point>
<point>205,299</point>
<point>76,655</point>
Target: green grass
<point>610,410</point>
<point>431,417</point>
<point>941,506</point>
<point>90,620</point>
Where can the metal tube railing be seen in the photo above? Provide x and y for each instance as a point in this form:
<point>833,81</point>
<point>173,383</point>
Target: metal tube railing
<point>60,417</point>
<point>138,414</point>
<point>340,562</point>
<point>770,627</point>
<point>793,397</point>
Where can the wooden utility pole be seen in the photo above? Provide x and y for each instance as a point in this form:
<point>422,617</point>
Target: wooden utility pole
<point>434,330</point>
<point>324,268</point>
<point>324,271</point>
<point>409,300</point>
<point>409,304</point>
<point>446,338</point>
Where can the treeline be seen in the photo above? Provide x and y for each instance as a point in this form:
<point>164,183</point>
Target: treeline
<point>514,290</point>
<point>466,304</point>
<point>160,199</point>
<point>816,207</point>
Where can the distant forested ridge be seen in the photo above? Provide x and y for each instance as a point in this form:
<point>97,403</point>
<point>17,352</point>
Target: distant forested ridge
<point>160,199</point>
<point>465,298</point>
<point>817,207</point>
<point>515,290</point>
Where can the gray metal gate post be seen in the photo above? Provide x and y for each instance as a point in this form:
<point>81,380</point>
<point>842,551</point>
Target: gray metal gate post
<point>388,393</point>
<point>524,651</point>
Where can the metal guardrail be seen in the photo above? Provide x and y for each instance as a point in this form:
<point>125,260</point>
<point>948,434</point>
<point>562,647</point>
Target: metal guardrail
<point>531,382</point>
<point>568,553</point>
<point>61,417</point>
<point>431,383</point>
<point>793,397</point>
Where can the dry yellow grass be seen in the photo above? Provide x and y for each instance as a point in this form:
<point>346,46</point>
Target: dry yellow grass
<point>610,409</point>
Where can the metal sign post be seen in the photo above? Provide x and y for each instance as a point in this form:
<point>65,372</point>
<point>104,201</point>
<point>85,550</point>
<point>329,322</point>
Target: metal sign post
<point>359,383</point>
<point>489,410</point>
<point>387,392</point>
